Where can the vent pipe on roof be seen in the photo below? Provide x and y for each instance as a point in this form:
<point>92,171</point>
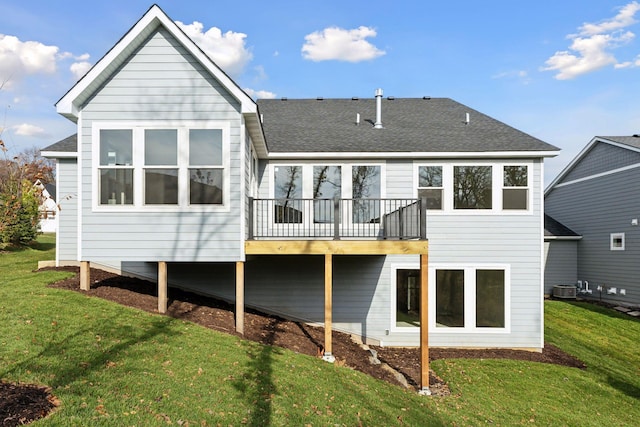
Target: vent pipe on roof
<point>378,124</point>
<point>357,119</point>
<point>466,119</point>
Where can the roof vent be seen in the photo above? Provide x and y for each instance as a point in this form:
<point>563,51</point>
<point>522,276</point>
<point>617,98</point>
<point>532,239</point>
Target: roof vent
<point>284,98</point>
<point>467,119</point>
<point>354,98</point>
<point>378,123</point>
<point>636,135</point>
<point>319,98</point>
<point>391,98</point>
<point>357,119</point>
<point>426,97</point>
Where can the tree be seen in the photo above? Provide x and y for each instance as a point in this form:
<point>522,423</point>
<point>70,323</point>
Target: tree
<point>19,198</point>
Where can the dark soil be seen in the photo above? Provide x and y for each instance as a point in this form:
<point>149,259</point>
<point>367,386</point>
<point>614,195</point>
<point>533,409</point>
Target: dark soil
<point>266,329</point>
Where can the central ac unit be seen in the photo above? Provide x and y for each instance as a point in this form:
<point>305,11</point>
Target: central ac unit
<point>564,291</point>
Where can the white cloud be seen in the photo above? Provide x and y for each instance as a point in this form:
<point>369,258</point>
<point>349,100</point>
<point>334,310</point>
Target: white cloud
<point>623,19</point>
<point>227,50</point>
<point>591,48</point>
<point>79,69</point>
<point>18,58</point>
<point>259,94</point>
<point>26,129</point>
<point>520,75</point>
<point>339,44</point>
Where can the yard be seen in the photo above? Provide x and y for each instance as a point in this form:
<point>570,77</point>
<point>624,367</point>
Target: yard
<point>107,364</point>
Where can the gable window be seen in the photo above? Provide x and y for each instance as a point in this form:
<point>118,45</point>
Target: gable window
<point>161,171</point>
<point>365,191</point>
<point>430,186</point>
<point>515,192</point>
<point>288,194</point>
<point>151,168</point>
<point>205,166</point>
<point>115,172</point>
<point>472,187</point>
<point>616,242</point>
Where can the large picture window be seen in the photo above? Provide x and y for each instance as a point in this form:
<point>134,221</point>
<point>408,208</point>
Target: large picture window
<point>472,187</point>
<point>162,168</point>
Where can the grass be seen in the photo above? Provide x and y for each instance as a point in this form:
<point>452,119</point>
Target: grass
<point>112,365</point>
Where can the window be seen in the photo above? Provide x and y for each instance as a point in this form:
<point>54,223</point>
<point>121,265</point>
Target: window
<point>327,185</point>
<point>365,192</point>
<point>515,192</point>
<point>407,297</point>
<point>288,194</point>
<point>616,242</point>
<point>469,298</point>
<point>205,166</point>
<point>115,172</point>
<point>161,180</point>
<point>150,168</point>
<point>430,186</point>
<point>472,187</point>
<point>484,291</point>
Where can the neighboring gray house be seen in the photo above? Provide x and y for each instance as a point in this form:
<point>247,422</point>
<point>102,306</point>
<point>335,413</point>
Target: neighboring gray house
<point>598,196</point>
<point>330,211</point>
<point>560,255</point>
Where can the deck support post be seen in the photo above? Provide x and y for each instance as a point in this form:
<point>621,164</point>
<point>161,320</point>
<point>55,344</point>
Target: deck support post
<point>85,273</point>
<point>328,308</point>
<point>162,287</point>
<point>424,325</point>
<point>240,297</point>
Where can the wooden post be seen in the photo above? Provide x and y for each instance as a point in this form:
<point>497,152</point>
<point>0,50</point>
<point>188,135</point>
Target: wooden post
<point>240,297</point>
<point>424,324</point>
<point>328,307</point>
<point>85,273</point>
<point>162,287</point>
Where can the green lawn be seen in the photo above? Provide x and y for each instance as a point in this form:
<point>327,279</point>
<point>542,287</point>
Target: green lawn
<point>112,365</point>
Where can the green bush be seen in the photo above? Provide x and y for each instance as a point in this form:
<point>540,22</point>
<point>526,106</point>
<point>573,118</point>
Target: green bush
<point>19,213</point>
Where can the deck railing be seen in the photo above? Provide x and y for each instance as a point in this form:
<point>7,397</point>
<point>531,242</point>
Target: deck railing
<point>337,218</point>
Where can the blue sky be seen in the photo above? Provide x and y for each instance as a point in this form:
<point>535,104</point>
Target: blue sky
<point>558,70</point>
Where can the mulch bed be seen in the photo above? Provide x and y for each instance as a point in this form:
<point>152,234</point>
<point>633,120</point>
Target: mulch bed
<point>266,329</point>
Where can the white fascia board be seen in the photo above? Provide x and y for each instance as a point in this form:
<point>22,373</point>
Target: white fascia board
<point>152,19</point>
<point>411,155</point>
<point>546,238</point>
<point>59,154</point>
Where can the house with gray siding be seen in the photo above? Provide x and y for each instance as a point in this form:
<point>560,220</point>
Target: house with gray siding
<point>395,220</point>
<point>560,255</point>
<point>598,196</point>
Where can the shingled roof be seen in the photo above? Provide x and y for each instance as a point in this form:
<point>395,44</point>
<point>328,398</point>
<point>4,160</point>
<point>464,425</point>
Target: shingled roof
<point>553,228</point>
<point>67,145</point>
<point>632,141</point>
<point>410,125</point>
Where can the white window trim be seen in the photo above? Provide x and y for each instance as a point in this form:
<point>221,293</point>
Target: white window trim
<point>497,182</point>
<point>612,238</point>
<point>469,298</point>
<point>138,129</point>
